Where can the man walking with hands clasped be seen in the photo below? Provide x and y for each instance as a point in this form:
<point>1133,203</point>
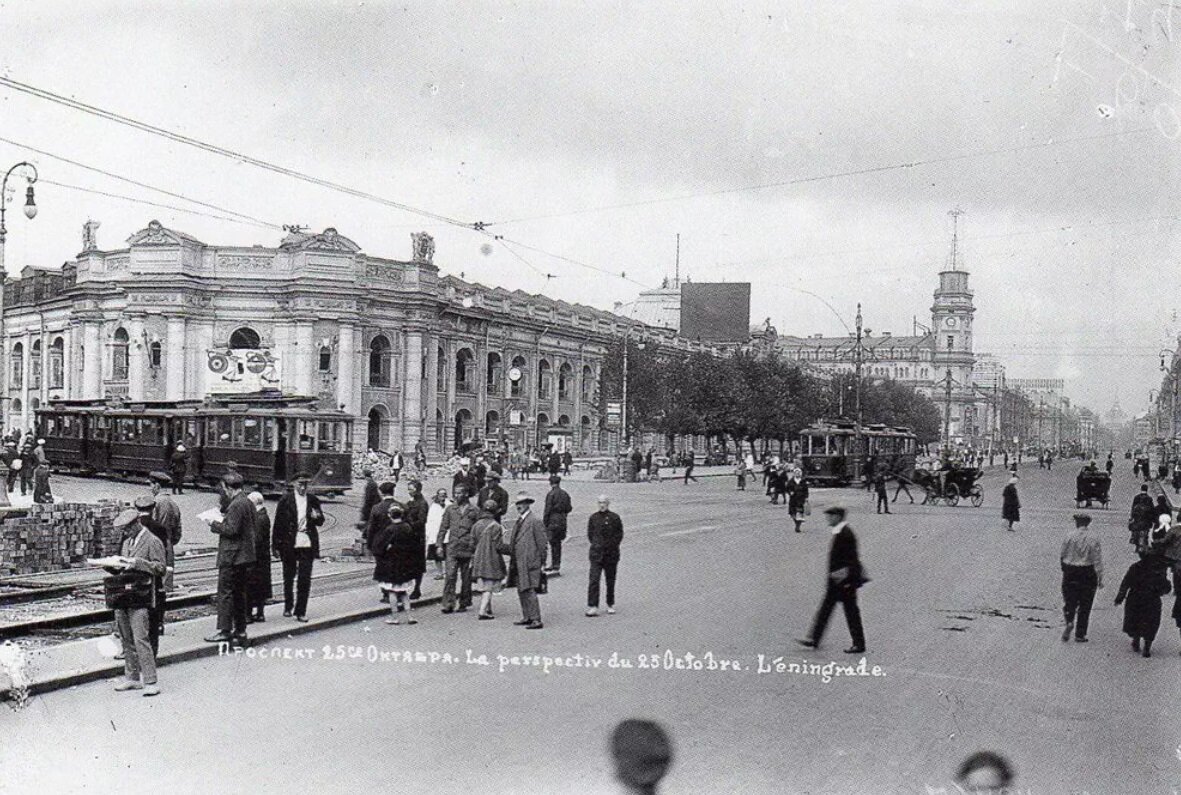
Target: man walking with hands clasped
<point>1082,575</point>
<point>845,576</point>
<point>604,530</point>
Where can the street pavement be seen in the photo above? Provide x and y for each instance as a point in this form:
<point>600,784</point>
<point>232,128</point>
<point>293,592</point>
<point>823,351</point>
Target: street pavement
<point>962,618</point>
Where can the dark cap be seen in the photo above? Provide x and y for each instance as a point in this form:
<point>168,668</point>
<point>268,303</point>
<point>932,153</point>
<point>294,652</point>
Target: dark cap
<point>1082,519</point>
<point>491,505</point>
<point>396,507</point>
<point>835,510</point>
<point>493,475</point>
<point>232,479</point>
<point>144,503</point>
<point>554,479</point>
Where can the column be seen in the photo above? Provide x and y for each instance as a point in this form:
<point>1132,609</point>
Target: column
<point>283,355</point>
<point>449,439</point>
<point>303,357</point>
<point>431,346</point>
<point>177,381</point>
<point>345,359</point>
<point>576,420</point>
<point>202,335</point>
<point>26,413</point>
<point>68,362</point>
<point>481,365</point>
<point>44,365</point>
<point>412,393</point>
<point>557,371</point>
<point>135,358</point>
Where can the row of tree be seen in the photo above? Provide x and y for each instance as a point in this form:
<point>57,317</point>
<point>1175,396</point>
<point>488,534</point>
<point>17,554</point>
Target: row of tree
<point>749,397</point>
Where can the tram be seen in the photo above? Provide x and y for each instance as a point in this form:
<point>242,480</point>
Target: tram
<point>831,455</point>
<point>268,436</point>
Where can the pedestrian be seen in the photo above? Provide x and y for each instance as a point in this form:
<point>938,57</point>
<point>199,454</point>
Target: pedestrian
<point>690,462</point>
<point>1143,586</point>
<point>776,483</point>
<point>235,559</point>
<point>296,541</point>
<point>1010,502</point>
<point>144,507</point>
<point>494,491</point>
<point>166,516</point>
<point>132,591</point>
<point>416,516</point>
<point>797,498</point>
<point>456,531</point>
<point>398,561</point>
<point>258,588</point>
<point>397,464</point>
<point>740,471</point>
<point>178,468</point>
<point>642,754</point>
<point>568,461</point>
<point>28,464</point>
<point>370,498</point>
<point>379,517</point>
<point>12,460</point>
<point>1142,516</point>
<point>514,463</point>
<point>465,477</point>
<point>902,486</point>
<point>604,531</point>
<point>883,496</point>
<point>42,492</point>
<point>557,508</point>
<point>845,576</point>
<point>526,549</point>
<point>437,551</point>
<point>1109,464</point>
<point>554,463</point>
<point>488,567</point>
<point>1082,575</point>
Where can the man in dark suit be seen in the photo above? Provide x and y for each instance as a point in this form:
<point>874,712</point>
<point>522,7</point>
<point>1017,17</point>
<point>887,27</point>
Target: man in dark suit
<point>296,541</point>
<point>379,519</point>
<point>557,507</point>
<point>235,556</point>
<point>415,515</point>
<point>494,491</point>
<point>371,497</point>
<point>604,531</point>
<point>845,576</point>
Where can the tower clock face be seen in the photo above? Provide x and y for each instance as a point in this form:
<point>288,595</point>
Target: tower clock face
<point>951,322</point>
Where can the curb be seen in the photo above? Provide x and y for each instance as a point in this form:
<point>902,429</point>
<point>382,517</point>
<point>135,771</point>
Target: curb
<point>197,651</point>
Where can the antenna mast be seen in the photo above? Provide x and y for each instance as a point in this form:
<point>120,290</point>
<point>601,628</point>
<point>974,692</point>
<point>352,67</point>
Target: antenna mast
<point>677,278</point>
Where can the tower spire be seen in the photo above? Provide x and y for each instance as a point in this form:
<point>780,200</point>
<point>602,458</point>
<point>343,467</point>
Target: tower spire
<point>955,228</point>
<point>677,278</point>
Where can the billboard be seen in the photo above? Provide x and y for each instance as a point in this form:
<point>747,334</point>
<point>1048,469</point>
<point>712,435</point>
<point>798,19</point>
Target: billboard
<point>715,311</point>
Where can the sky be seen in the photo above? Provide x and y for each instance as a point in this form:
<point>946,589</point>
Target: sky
<point>810,149</point>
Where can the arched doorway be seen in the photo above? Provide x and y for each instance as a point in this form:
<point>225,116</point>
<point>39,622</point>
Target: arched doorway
<point>463,428</point>
<point>585,439</point>
<point>378,417</point>
<point>492,425</point>
<point>440,426</point>
<point>542,429</point>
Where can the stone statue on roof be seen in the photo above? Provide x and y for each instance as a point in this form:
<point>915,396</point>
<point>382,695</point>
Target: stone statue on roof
<point>90,235</point>
<point>423,246</point>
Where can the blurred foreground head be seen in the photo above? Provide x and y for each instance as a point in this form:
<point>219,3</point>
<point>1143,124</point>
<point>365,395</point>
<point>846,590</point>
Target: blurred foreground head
<point>642,754</point>
<point>985,771</point>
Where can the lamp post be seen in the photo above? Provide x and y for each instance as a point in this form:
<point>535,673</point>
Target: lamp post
<point>30,210</point>
<point>1171,374</point>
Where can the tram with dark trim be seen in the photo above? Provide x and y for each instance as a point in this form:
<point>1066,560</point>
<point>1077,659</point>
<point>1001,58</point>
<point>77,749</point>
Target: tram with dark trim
<point>270,438</point>
<point>831,454</point>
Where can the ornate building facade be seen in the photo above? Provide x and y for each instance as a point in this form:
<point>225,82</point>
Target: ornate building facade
<point>412,354</point>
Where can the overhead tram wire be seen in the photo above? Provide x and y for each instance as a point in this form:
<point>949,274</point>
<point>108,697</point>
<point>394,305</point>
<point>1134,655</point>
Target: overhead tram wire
<point>814,178</point>
<point>228,153</point>
<point>135,200</point>
<point>138,184</point>
<point>599,269</point>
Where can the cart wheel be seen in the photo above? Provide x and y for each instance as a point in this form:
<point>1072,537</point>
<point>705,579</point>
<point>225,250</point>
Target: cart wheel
<point>977,497</point>
<point>953,495</point>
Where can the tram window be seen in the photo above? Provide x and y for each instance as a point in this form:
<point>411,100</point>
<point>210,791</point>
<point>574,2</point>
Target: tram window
<point>268,433</point>
<point>147,432</point>
<point>307,435</point>
<point>217,432</point>
<point>330,437</point>
<point>252,433</point>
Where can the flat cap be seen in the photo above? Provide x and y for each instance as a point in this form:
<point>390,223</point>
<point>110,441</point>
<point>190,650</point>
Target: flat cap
<point>144,503</point>
<point>126,517</point>
<point>1081,519</point>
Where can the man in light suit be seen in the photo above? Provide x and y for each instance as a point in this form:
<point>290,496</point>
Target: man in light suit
<point>527,550</point>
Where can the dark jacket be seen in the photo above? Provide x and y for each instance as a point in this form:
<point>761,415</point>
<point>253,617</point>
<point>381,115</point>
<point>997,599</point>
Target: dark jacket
<point>554,463</point>
<point>287,524</point>
<point>495,493</point>
<point>844,564</point>
<point>178,465</point>
<point>557,507</point>
<point>235,546</point>
<point>456,528</point>
<point>259,583</point>
<point>398,553</point>
<point>797,494</point>
<point>41,490</point>
<point>467,479</point>
<point>604,531</point>
<point>379,518</point>
<point>372,497</point>
<point>1010,504</point>
<point>415,514</point>
<point>167,514</point>
<point>1143,586</point>
<point>527,545</point>
<point>1143,512</point>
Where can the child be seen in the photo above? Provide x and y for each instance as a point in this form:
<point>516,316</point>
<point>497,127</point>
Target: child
<point>400,561</point>
<point>488,564</point>
<point>1143,586</point>
<point>741,472</point>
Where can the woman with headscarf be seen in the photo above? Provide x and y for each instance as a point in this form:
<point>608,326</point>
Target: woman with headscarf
<point>398,552</point>
<point>1011,503</point>
<point>488,567</point>
<point>258,588</point>
<point>1143,586</point>
<point>797,497</point>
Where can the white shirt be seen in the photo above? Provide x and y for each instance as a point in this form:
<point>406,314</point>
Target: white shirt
<point>302,539</point>
<point>434,518</point>
<point>838,528</point>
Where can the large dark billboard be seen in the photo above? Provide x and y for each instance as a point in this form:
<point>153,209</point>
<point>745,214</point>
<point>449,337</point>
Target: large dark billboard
<point>715,312</point>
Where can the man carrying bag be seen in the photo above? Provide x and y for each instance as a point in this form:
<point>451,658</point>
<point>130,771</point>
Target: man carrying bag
<point>131,591</point>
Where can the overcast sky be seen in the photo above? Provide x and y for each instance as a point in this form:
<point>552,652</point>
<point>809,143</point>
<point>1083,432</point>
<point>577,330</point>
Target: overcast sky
<point>1055,126</point>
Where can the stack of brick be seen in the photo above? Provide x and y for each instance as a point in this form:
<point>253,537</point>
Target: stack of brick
<point>60,536</point>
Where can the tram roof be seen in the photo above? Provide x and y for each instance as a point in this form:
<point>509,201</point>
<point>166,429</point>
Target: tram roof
<point>266,403</point>
<point>842,427</point>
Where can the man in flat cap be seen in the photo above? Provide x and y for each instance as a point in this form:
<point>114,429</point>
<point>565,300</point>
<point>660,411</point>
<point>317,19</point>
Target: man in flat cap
<point>145,508</point>
<point>295,537</point>
<point>527,550</point>
<point>845,576</point>
<point>1082,575</point>
<point>557,508</point>
<point>143,553</point>
<point>494,491</point>
<point>235,557</point>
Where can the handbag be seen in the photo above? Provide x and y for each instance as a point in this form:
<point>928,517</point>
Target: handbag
<point>807,507</point>
<point>543,584</point>
<point>129,591</point>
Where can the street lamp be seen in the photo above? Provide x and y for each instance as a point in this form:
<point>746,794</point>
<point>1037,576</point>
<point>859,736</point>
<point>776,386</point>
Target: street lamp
<point>30,210</point>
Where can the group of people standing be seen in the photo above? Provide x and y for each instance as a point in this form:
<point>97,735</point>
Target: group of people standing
<point>24,461</point>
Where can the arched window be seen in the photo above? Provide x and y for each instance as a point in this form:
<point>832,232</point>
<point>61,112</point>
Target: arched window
<point>379,361</point>
<point>35,366</point>
<point>245,338</point>
<point>119,355</point>
<point>545,379</point>
<point>465,373</point>
<point>17,406</point>
<point>325,359</point>
<point>155,354</point>
<point>18,366</point>
<point>492,424</point>
<point>516,388</point>
<point>441,371</point>
<point>495,374</point>
<point>565,381</point>
<point>57,366</point>
<point>588,382</point>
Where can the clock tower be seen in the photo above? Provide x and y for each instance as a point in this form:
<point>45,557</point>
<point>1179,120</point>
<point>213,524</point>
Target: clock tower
<point>952,357</point>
